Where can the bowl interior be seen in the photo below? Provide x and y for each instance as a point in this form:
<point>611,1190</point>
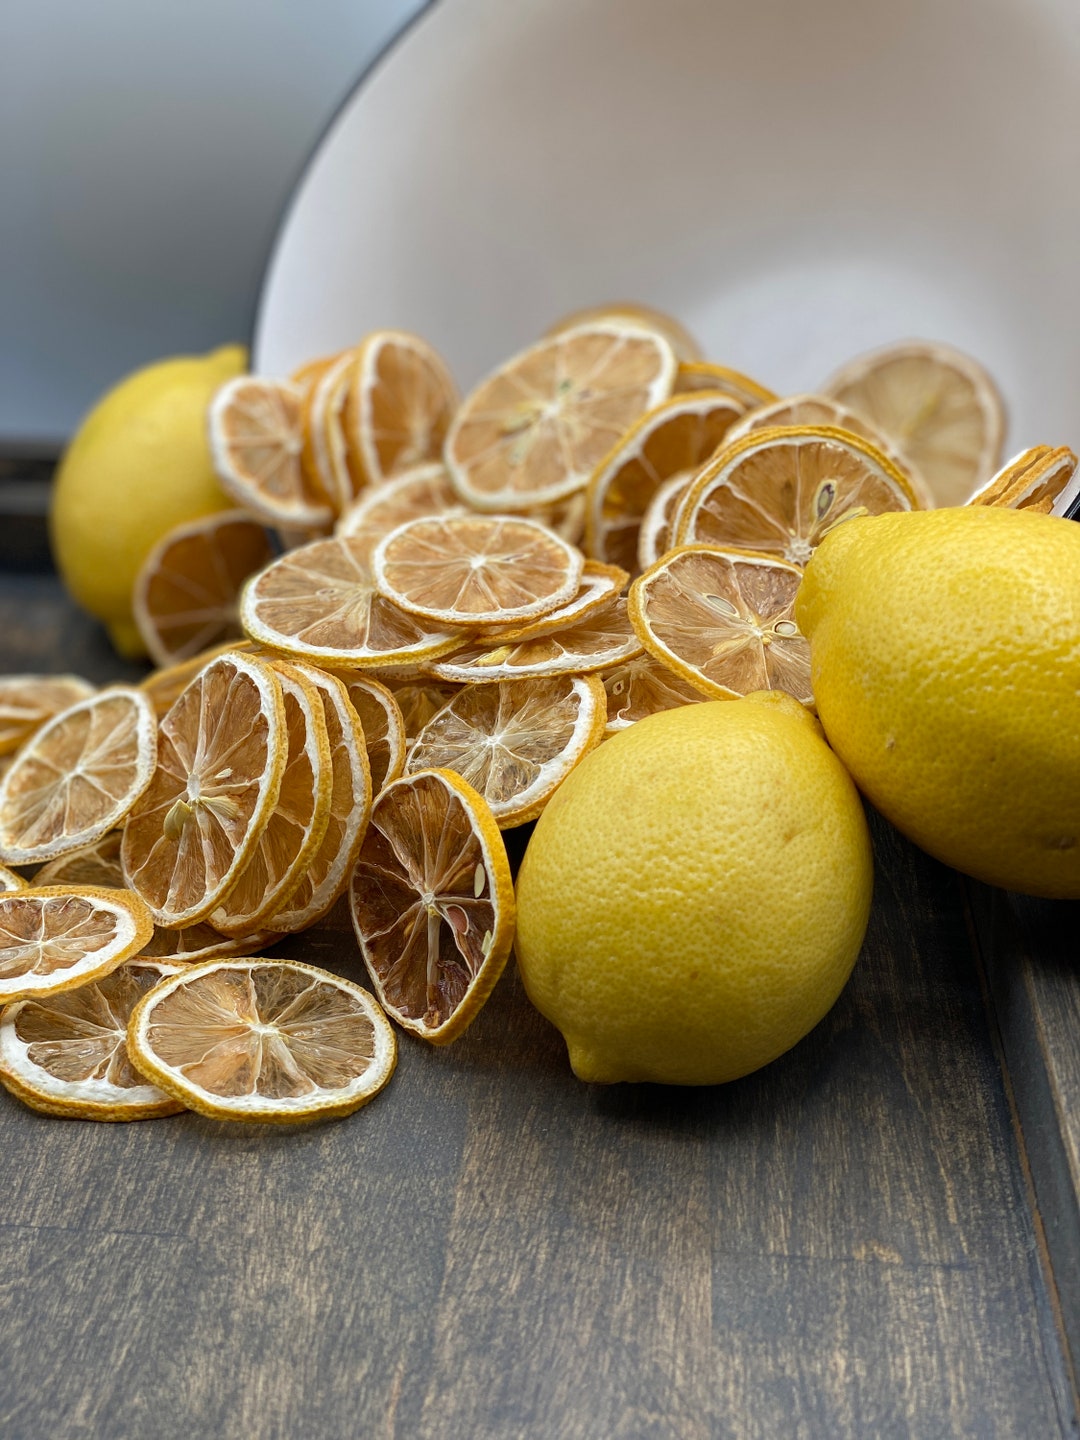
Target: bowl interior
<point>795,182</point>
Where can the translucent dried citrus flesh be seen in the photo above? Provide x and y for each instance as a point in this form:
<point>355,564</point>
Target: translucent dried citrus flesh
<point>327,873</point>
<point>320,603</point>
<point>400,401</point>
<point>96,864</point>
<point>163,687</point>
<point>256,435</point>
<point>194,943</point>
<point>221,754</point>
<point>598,588</point>
<point>297,824</point>
<point>77,777</point>
<point>476,569</point>
<point>423,492</point>
<point>323,457</point>
<point>656,534</point>
<point>644,686</point>
<point>674,439</point>
<point>1041,479</point>
<point>595,643</point>
<point>383,726</point>
<point>782,490</point>
<point>515,742</point>
<point>263,1040</point>
<point>705,375</point>
<point>67,1054</point>
<point>419,699</point>
<point>723,620</point>
<point>433,903</point>
<point>305,376</point>
<point>939,408</point>
<point>536,429</point>
<point>56,937</point>
<point>187,593</point>
<point>647,316</point>
<point>28,701</point>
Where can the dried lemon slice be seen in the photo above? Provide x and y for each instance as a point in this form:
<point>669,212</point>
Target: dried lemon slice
<point>599,587</point>
<point>723,620</point>
<point>423,492</point>
<point>96,864</point>
<point>327,873</point>
<point>658,525</point>
<point>77,777</point>
<point>221,754</point>
<point>782,490</point>
<point>187,593</point>
<point>399,404</point>
<point>536,429</point>
<point>1041,479</point>
<point>642,687</point>
<point>383,726</point>
<point>705,375</point>
<point>67,1054</point>
<point>476,569</point>
<point>323,456</point>
<point>939,408</point>
<point>672,330</point>
<point>255,441</point>
<point>163,687</point>
<point>419,699</point>
<point>297,825</point>
<point>596,643</point>
<point>194,943</point>
<point>56,937</point>
<point>28,701</point>
<point>433,903</point>
<point>320,603</point>
<point>263,1040</point>
<point>674,439</point>
<point>516,742</point>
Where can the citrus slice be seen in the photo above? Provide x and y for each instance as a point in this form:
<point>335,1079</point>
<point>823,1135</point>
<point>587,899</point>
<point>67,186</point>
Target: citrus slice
<point>57,937</point>
<point>255,441</point>
<point>67,1054</point>
<point>476,569</point>
<point>305,376</point>
<point>672,330</point>
<point>263,1040</point>
<point>320,603</point>
<point>536,429</point>
<point>722,619</point>
<point>433,903</point>
<point>383,726</point>
<point>939,408</point>
<point>323,456</point>
<point>782,490</point>
<point>195,943</point>
<point>294,832</point>
<point>327,873</point>
<point>28,701</point>
<point>1041,479</point>
<point>187,593</point>
<point>96,864</point>
<point>419,699</point>
<point>641,687</point>
<point>423,492</point>
<point>674,439</point>
<point>704,375</point>
<point>565,517</point>
<point>221,754</point>
<point>77,777</point>
<point>162,687</point>
<point>595,643</point>
<point>599,586</point>
<point>821,410</point>
<point>400,401</point>
<point>656,535</point>
<point>516,742</point>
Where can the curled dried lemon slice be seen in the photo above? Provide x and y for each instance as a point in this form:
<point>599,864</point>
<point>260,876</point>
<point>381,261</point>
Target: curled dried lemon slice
<point>660,521</point>
<point>1041,479</point>
<point>256,436</point>
<point>221,754</point>
<point>77,777</point>
<point>399,404</point>
<point>596,643</point>
<point>599,587</point>
<point>535,430</point>
<point>383,726</point>
<point>647,316</point>
<point>476,569</point>
<point>642,687</point>
<point>782,490</point>
<point>433,903</point>
<point>262,1040</point>
<point>58,937</point>
<point>28,701</point>
<point>705,375</point>
<point>723,620</point>
<point>67,1054</point>
<point>515,742</point>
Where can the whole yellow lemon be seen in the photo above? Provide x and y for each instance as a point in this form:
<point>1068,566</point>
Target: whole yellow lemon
<point>138,465</point>
<point>695,894</point>
<point>945,654</point>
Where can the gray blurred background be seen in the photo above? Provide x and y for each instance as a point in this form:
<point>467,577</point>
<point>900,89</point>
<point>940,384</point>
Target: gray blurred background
<point>146,152</point>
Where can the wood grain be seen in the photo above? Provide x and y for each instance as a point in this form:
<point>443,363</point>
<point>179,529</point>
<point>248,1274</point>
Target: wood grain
<point>840,1246</point>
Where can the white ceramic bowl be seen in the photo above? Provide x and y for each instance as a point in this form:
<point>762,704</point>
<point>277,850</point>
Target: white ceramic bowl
<point>797,181</point>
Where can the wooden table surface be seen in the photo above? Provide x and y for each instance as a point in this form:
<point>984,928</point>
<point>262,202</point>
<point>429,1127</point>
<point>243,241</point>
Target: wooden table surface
<point>843,1245</point>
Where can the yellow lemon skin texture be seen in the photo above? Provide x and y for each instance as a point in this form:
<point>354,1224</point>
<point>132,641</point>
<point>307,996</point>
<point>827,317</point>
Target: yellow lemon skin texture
<point>138,464</point>
<point>945,661</point>
<point>695,894</point>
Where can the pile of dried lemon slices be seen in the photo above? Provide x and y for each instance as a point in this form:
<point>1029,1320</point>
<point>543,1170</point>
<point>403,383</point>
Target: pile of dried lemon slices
<point>424,613</point>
